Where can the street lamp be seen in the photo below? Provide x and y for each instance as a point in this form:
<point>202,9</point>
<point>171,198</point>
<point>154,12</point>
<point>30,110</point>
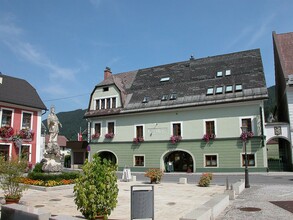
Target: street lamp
<point>244,131</point>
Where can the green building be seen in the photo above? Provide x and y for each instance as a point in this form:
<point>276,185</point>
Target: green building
<point>182,117</point>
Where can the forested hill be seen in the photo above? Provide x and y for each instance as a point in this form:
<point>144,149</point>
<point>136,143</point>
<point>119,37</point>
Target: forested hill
<point>73,121</point>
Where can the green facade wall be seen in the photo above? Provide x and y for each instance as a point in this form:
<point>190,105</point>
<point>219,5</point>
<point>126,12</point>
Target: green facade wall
<point>228,151</point>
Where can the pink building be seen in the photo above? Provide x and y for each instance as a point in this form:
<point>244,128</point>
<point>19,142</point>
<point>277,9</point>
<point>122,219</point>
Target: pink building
<point>20,119</point>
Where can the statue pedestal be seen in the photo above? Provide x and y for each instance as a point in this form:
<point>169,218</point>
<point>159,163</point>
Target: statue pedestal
<point>52,159</point>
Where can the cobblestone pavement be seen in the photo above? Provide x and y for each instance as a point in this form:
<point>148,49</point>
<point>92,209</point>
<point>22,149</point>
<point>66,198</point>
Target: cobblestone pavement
<point>260,196</point>
<point>172,200</point>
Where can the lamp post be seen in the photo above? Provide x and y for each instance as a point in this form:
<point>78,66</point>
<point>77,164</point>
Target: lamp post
<point>244,131</point>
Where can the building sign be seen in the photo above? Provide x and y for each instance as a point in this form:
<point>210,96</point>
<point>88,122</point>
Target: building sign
<point>278,130</point>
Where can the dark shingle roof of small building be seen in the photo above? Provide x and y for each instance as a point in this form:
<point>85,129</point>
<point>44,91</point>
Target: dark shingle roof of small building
<point>20,92</point>
<point>189,80</point>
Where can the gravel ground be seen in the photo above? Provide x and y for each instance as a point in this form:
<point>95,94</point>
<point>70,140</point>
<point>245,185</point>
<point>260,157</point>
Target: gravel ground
<point>259,196</point>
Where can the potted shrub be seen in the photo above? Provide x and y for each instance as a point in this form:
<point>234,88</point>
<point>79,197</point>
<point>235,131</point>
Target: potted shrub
<point>109,135</point>
<point>205,179</point>
<point>155,175</point>
<point>11,172</point>
<point>6,132</point>
<point>96,191</point>
<point>138,140</point>
<point>208,137</point>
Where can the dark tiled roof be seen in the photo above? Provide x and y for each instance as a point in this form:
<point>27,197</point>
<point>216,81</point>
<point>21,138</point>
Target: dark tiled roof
<point>190,81</point>
<point>20,92</point>
<point>284,46</point>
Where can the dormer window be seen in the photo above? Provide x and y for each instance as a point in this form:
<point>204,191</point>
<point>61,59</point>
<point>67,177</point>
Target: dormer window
<point>105,89</point>
<point>106,103</point>
<point>219,90</point>
<point>229,89</point>
<point>210,91</point>
<point>228,73</point>
<point>173,96</point>
<point>145,99</point>
<point>165,79</point>
<point>219,74</point>
<point>164,98</point>
<point>238,87</point>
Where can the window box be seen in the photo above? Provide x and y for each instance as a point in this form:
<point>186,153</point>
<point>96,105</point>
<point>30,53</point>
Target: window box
<point>26,134</point>
<point>208,137</point>
<point>246,135</point>
<point>109,135</point>
<point>175,138</point>
<point>138,140</point>
<point>6,132</point>
<point>96,136</point>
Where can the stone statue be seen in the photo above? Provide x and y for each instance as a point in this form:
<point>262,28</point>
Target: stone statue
<point>52,157</point>
<point>53,125</point>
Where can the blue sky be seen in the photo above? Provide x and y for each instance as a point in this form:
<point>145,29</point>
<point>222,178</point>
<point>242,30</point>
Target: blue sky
<point>63,46</point>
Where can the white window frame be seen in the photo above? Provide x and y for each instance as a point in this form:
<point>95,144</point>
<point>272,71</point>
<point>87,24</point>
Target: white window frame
<point>93,127</point>
<point>255,160</point>
<point>215,123</point>
<point>30,151</point>
<point>252,123</point>
<point>32,118</point>
<point>210,154</point>
<point>176,122</point>
<point>105,99</point>
<point>139,155</point>
<point>107,122</point>
<point>12,116</point>
<point>143,132</point>
<point>9,150</point>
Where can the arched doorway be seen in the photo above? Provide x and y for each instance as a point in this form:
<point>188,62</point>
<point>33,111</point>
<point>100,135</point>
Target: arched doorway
<point>178,161</point>
<point>279,154</point>
<point>108,155</point>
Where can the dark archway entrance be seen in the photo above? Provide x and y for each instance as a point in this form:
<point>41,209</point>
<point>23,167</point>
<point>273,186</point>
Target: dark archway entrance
<point>108,155</point>
<point>178,161</point>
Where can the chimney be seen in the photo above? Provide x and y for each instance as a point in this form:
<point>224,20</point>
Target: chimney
<point>107,73</point>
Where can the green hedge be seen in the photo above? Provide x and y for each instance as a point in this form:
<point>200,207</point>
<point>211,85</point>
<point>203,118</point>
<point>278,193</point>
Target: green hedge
<point>57,177</point>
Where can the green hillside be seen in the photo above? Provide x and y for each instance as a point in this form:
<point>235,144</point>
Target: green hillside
<point>72,122</point>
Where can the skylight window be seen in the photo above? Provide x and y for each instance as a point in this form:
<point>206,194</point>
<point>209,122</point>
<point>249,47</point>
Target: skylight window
<point>165,79</point>
<point>219,74</point>
<point>219,90</point>
<point>228,72</point>
<point>229,89</point>
<point>238,87</point>
<point>210,91</point>
<point>173,96</point>
<point>145,99</point>
<point>164,98</point>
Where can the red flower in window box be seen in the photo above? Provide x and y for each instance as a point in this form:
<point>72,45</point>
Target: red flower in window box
<point>246,135</point>
<point>96,136</point>
<point>26,134</point>
<point>6,132</point>
<point>175,138</point>
<point>138,140</point>
<point>208,137</point>
<point>109,135</point>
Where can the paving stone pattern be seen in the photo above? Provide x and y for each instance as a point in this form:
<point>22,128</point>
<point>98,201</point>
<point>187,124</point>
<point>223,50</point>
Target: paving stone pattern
<point>261,197</point>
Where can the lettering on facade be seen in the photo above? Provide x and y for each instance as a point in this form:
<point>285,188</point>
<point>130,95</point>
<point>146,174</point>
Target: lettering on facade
<point>157,131</point>
<point>278,130</point>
